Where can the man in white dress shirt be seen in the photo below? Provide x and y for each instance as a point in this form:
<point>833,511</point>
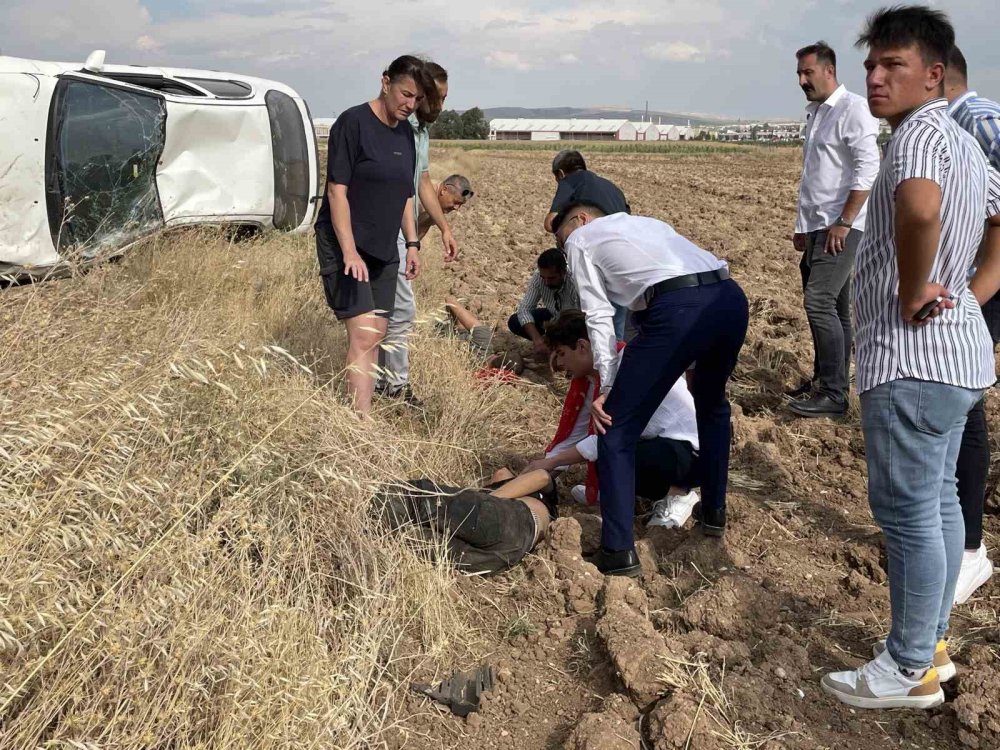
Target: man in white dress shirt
<point>688,312</point>
<point>924,352</point>
<point>839,166</point>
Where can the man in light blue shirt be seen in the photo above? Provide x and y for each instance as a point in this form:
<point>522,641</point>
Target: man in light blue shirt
<point>976,114</point>
<point>979,117</point>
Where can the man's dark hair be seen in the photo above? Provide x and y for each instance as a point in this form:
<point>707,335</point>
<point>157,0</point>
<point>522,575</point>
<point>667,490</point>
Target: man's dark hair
<point>823,51</point>
<point>905,25</point>
<point>435,71</point>
<point>597,211</point>
<point>956,63</point>
<point>567,329</point>
<point>568,161</point>
<point>553,258</point>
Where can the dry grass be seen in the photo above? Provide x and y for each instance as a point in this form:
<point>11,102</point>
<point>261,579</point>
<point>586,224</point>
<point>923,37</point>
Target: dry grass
<point>186,560</point>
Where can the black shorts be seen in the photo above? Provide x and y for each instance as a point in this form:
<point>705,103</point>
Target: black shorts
<point>347,296</point>
<point>484,534</point>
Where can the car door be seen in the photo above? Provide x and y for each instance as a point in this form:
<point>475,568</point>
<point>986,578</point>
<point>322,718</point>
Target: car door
<point>103,146</point>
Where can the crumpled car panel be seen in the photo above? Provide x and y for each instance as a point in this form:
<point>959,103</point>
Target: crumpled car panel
<point>217,163</point>
<point>24,227</point>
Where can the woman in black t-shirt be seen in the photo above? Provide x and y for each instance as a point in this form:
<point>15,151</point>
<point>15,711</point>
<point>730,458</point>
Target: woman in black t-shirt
<point>369,195</point>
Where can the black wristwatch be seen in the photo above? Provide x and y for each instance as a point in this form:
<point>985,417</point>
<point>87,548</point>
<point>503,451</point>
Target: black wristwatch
<point>842,222</point>
<point>413,243</point>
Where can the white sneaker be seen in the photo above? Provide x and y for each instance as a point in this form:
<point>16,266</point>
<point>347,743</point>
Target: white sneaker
<point>579,493</point>
<point>673,511</point>
<point>976,570</point>
<point>942,660</point>
<point>881,684</point>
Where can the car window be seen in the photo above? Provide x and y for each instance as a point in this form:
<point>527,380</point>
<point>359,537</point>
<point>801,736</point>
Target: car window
<point>290,149</point>
<point>223,89</point>
<point>104,145</point>
<point>156,83</point>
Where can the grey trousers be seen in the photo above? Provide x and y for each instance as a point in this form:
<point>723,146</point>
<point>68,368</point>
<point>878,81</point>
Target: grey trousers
<point>826,283</point>
<point>394,361</point>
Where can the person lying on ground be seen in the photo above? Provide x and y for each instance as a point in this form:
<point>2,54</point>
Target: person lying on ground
<point>486,530</point>
<point>463,324</point>
<point>394,360</point>
<point>666,463</point>
<point>555,289</point>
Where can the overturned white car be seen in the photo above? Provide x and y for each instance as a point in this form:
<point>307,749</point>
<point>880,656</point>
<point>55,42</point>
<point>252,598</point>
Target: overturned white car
<point>94,157</point>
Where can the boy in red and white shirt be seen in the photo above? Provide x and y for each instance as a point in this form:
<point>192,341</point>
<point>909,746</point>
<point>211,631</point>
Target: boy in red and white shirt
<point>666,464</point>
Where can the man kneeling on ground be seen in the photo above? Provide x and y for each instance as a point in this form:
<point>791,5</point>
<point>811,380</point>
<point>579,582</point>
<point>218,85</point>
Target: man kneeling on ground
<point>666,462</point>
<point>555,289</point>
<point>487,530</point>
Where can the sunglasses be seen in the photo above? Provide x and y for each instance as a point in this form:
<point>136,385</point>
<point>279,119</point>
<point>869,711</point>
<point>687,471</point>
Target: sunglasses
<point>466,193</point>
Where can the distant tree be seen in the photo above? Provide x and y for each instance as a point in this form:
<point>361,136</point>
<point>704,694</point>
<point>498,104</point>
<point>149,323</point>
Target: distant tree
<point>448,126</point>
<point>471,125</point>
<point>474,125</point>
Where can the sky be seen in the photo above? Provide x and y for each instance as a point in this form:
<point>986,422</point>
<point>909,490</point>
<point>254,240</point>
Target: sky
<point>732,58</point>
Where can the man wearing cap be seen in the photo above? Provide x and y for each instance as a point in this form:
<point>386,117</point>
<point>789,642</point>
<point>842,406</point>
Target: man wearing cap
<point>577,184</point>
<point>689,315</point>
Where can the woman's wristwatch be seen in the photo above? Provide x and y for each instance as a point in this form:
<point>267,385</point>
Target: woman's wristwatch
<point>413,243</point>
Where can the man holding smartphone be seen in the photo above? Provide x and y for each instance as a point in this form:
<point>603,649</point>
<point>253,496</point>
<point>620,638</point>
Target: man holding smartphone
<point>840,162</point>
<point>918,379</point>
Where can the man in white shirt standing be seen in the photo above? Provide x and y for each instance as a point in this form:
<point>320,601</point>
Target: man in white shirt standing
<point>925,355</point>
<point>688,312</point>
<point>839,166</point>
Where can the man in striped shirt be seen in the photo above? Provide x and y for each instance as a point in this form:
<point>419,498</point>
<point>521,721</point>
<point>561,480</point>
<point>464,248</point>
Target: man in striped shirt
<point>553,288</point>
<point>980,118</point>
<point>924,355</point>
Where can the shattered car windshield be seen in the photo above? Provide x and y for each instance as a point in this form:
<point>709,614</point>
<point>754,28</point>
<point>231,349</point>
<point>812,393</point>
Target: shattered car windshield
<point>104,145</point>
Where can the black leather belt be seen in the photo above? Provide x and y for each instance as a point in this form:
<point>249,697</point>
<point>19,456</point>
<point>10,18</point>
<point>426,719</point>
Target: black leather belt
<point>682,282</point>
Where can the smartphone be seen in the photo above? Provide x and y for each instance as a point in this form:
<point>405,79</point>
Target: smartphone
<point>924,311</point>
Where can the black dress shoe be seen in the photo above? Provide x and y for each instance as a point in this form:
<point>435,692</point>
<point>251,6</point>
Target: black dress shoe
<point>623,563</point>
<point>712,521</point>
<point>819,406</point>
<point>803,390</point>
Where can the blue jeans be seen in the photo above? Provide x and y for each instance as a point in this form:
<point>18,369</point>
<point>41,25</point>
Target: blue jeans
<point>913,431</point>
<point>704,326</point>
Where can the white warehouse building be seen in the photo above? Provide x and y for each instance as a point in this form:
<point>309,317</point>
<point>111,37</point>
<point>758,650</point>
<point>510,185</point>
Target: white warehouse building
<point>527,129</point>
<point>646,131</point>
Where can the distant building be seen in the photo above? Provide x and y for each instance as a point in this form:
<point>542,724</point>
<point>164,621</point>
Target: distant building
<point>669,132</point>
<point>646,131</point>
<point>527,129</point>
<point>322,125</point>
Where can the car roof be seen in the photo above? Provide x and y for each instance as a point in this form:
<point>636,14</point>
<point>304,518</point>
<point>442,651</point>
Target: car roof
<point>51,68</point>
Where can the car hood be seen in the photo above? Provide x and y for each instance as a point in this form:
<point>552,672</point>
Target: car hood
<point>25,238</point>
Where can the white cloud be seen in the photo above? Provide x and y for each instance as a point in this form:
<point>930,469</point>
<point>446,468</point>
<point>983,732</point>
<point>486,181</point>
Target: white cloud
<point>580,52</point>
<point>508,60</point>
<point>146,43</point>
<point>674,52</point>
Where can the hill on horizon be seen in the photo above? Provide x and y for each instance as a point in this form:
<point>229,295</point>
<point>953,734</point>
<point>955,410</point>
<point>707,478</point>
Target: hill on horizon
<point>605,113</point>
